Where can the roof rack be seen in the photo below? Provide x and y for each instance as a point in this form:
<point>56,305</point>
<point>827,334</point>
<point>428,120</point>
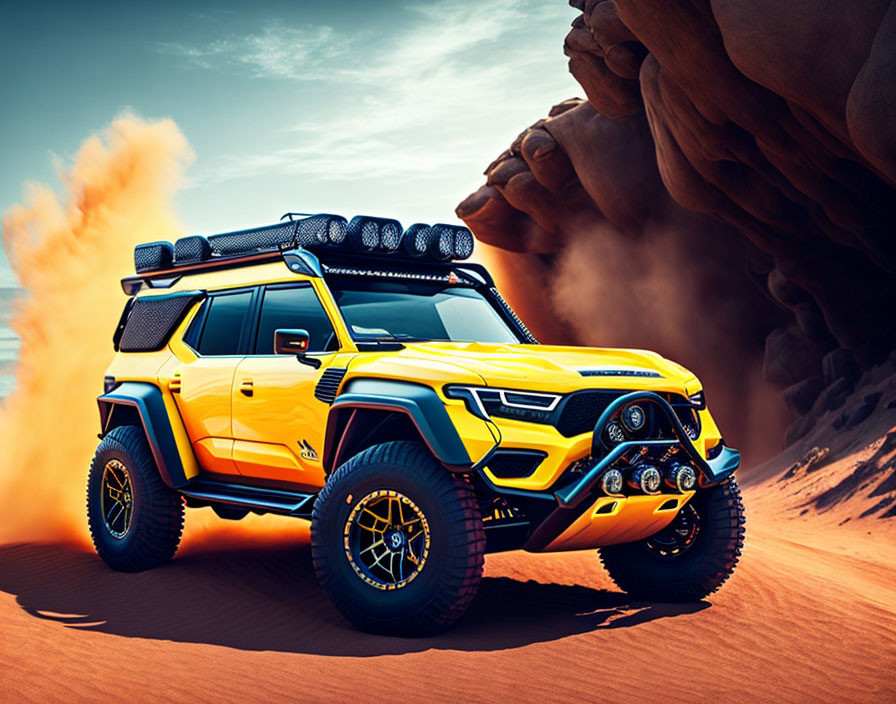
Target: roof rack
<point>323,233</point>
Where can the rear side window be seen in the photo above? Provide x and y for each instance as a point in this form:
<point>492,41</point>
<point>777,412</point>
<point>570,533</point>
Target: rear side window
<point>294,308</point>
<point>225,321</point>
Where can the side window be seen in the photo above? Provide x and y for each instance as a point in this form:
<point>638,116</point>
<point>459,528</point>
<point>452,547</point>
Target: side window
<point>291,308</point>
<point>227,315</point>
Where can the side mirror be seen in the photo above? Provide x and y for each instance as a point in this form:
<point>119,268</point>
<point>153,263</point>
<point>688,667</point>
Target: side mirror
<point>291,341</point>
<point>288,341</point>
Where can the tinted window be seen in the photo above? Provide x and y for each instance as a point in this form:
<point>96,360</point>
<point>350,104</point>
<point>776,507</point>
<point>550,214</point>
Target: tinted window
<point>224,324</point>
<point>421,311</point>
<point>294,308</point>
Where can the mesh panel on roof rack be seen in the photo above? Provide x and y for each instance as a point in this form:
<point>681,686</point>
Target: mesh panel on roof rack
<point>251,240</point>
<point>152,319</point>
<point>153,256</point>
<point>188,250</point>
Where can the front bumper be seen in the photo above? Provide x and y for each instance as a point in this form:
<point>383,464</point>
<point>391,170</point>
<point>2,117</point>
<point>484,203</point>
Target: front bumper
<point>579,516</point>
<point>711,471</point>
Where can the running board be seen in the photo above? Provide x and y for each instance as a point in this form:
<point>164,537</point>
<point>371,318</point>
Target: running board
<point>291,503</point>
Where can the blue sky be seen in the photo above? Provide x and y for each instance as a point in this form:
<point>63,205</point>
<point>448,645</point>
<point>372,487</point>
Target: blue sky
<point>390,108</point>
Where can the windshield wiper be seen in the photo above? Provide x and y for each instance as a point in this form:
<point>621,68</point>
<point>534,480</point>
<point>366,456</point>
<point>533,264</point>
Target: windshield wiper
<point>393,337</point>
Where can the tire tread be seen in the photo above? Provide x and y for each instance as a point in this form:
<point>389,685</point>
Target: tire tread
<point>162,511</point>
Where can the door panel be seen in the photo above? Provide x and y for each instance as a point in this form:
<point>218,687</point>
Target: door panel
<point>279,428</point>
<point>266,460</point>
<point>206,387</point>
<point>215,455</point>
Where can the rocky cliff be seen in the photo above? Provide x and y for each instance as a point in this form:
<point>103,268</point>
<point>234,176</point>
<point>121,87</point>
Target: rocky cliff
<point>726,193</point>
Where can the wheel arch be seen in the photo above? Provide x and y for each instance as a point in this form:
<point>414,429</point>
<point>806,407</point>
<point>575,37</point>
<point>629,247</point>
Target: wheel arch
<point>141,404</point>
<point>371,411</point>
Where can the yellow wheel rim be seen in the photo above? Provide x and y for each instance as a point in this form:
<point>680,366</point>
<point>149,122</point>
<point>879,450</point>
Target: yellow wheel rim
<point>116,499</point>
<point>386,539</point>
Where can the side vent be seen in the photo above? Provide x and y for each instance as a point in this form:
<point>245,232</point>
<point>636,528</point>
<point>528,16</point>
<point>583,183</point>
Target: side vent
<point>515,464</point>
<point>329,384</point>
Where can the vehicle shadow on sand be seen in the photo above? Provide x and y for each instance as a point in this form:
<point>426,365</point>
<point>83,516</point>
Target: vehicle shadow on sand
<point>267,598</point>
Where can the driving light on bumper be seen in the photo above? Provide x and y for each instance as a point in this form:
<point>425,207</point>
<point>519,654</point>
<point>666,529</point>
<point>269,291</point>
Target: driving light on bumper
<point>615,432</point>
<point>646,478</point>
<point>633,417</point>
<point>611,482</point>
<point>681,477</point>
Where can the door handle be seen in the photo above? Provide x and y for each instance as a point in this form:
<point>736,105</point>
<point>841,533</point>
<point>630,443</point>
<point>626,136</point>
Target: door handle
<point>247,387</point>
<point>174,384</point>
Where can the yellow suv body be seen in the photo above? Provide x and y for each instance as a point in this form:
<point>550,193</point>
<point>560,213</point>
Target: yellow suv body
<point>262,366</point>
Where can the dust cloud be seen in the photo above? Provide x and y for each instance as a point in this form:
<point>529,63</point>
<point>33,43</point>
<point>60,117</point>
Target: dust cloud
<point>69,253</point>
<point>673,290</point>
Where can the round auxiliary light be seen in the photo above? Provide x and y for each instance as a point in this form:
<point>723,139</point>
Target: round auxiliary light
<point>320,229</point>
<point>647,478</point>
<point>463,243</point>
<point>681,477</point>
<point>337,228</point>
<point>611,482</point>
<point>450,242</point>
<point>441,243</point>
<point>416,239</point>
<point>633,417</point>
<point>366,236</point>
<point>615,432</point>
<point>390,236</point>
<point>370,234</point>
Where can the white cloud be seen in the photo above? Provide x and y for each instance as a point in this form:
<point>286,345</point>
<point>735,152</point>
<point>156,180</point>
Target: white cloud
<point>443,95</point>
<point>275,52</point>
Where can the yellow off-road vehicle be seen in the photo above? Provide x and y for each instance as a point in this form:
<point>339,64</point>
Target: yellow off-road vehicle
<point>370,380</point>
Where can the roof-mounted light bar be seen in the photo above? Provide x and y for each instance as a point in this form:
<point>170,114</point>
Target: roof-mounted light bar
<point>363,234</point>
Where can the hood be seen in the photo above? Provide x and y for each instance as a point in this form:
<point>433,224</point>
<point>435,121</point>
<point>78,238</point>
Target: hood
<point>549,368</point>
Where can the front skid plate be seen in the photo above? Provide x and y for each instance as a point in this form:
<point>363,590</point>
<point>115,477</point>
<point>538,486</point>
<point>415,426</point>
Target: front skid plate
<point>610,520</point>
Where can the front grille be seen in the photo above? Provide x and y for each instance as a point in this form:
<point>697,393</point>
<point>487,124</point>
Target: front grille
<point>329,384</point>
<point>509,464</point>
<point>580,411</point>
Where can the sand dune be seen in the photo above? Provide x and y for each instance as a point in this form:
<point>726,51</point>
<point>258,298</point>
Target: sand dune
<point>809,615</point>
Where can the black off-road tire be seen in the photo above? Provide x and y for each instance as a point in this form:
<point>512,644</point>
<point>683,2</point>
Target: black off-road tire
<point>449,578</point>
<point>700,569</point>
<point>157,513</point>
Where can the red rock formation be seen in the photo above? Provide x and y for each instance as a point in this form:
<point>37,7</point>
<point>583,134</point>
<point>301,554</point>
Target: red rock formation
<point>778,119</point>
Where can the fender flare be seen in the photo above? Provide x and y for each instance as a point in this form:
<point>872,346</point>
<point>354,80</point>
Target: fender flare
<point>418,402</point>
<point>146,399</point>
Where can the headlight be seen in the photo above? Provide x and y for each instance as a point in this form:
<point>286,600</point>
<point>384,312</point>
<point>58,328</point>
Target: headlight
<point>698,400</point>
<point>483,401</point>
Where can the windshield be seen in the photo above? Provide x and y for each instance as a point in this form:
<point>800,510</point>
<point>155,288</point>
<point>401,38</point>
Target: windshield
<point>398,310</point>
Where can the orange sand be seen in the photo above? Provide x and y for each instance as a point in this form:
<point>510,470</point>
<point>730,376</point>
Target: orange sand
<point>810,615</point>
